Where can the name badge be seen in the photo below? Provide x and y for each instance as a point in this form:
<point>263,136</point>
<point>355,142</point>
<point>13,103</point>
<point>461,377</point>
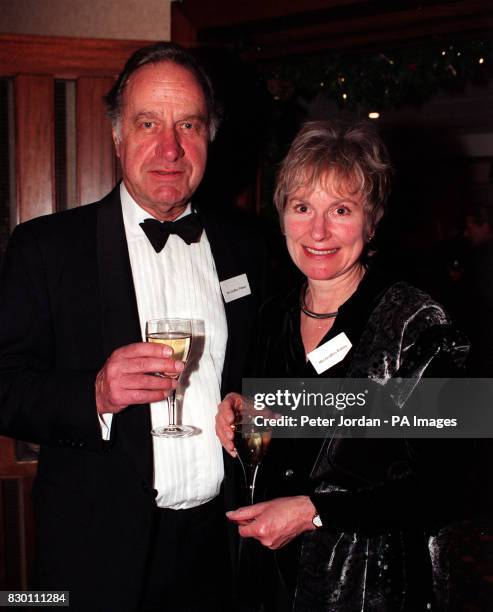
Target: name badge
<point>331,352</point>
<point>235,287</point>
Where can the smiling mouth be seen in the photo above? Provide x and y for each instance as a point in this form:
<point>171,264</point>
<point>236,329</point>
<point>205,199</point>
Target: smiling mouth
<point>321,252</point>
<point>166,172</point>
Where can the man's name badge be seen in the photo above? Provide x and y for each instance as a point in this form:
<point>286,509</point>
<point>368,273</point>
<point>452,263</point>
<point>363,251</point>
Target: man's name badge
<point>331,352</point>
<point>235,287</point>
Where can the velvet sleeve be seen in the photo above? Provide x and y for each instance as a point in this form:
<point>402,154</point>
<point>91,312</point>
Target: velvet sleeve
<point>418,481</point>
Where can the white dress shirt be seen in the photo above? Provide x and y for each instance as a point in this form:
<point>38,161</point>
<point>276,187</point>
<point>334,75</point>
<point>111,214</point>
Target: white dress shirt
<point>181,281</point>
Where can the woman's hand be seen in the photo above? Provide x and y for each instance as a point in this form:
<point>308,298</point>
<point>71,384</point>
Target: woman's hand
<point>276,522</point>
<point>227,412</point>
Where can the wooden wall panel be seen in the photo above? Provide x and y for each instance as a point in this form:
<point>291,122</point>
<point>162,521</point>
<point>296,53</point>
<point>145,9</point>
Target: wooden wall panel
<point>35,146</point>
<point>16,517</point>
<point>64,58</point>
<point>95,153</point>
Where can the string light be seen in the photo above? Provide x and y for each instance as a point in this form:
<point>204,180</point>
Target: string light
<point>373,115</point>
<point>481,60</point>
<point>344,96</point>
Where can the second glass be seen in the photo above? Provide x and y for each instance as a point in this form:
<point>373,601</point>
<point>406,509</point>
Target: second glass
<point>251,442</point>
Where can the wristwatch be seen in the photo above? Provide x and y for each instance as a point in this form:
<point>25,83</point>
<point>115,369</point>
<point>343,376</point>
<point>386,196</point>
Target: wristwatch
<point>317,521</point>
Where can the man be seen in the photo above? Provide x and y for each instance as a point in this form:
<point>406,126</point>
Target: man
<point>127,522</point>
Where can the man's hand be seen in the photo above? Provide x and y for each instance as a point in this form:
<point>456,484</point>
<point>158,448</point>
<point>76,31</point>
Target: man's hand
<point>277,522</point>
<point>227,413</point>
<point>127,376</point>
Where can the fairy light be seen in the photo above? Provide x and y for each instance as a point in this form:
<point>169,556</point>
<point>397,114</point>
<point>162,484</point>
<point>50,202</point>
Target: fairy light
<point>481,60</point>
<point>373,115</point>
<point>344,96</point>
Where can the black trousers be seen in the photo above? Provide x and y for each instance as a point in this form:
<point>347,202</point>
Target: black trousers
<point>189,568</point>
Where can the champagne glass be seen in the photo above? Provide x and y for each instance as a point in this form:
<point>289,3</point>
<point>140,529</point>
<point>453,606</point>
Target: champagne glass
<point>251,443</point>
<point>176,333</point>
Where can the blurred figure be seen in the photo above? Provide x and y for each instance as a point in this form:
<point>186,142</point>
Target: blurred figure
<point>479,231</point>
<point>478,281</point>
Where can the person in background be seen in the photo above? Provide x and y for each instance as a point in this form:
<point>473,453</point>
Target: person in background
<point>355,524</point>
<point>477,304</point>
<point>126,521</point>
<point>479,222</point>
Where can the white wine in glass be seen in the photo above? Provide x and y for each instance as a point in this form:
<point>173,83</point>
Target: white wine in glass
<point>251,443</point>
<point>176,333</point>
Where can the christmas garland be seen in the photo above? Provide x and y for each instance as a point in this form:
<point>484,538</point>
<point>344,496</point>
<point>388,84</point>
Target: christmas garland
<point>380,80</point>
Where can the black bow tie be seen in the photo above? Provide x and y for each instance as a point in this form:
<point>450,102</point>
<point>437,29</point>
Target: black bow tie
<point>189,229</point>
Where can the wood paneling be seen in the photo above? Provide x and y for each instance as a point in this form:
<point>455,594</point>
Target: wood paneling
<point>95,154</point>
<point>16,517</point>
<point>64,58</point>
<point>10,466</point>
<point>35,146</point>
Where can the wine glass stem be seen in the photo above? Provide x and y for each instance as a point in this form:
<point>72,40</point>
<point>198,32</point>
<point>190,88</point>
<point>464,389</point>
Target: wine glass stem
<point>253,477</point>
<point>172,408</point>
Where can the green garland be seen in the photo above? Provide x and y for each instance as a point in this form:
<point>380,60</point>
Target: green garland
<point>375,81</point>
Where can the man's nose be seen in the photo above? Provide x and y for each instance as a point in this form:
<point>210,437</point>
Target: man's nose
<point>169,146</point>
<point>320,228</point>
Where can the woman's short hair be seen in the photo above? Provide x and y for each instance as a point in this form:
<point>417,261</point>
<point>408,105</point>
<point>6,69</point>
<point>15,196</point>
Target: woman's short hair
<point>155,54</point>
<point>353,157</point>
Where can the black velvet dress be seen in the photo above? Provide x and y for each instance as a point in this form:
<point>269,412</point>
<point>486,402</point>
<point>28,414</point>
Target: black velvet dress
<point>386,505</point>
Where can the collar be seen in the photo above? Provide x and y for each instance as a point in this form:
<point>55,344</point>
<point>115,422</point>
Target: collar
<point>133,214</point>
<point>359,303</point>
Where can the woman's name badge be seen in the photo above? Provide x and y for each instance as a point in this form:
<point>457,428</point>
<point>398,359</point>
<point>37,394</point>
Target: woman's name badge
<point>235,287</point>
<point>331,352</point>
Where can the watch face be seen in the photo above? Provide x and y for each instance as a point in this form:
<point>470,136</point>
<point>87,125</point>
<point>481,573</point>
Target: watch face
<point>317,521</point>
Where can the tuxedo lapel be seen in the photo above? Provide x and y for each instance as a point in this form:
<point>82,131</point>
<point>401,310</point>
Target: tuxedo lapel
<point>222,246</point>
<point>120,325</point>
<point>229,264</point>
<point>120,315</point>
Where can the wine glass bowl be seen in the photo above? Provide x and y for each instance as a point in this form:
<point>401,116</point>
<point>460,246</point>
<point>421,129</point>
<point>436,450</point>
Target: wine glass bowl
<point>251,443</point>
<point>176,333</point>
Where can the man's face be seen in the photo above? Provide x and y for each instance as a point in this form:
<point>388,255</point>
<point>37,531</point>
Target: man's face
<point>162,138</point>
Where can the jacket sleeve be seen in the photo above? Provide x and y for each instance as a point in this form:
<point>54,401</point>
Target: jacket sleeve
<point>41,400</point>
<point>418,481</point>
<point>428,491</point>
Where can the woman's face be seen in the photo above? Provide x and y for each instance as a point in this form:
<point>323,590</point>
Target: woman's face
<point>325,231</point>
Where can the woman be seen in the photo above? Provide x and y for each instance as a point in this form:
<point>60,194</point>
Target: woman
<point>366,514</point>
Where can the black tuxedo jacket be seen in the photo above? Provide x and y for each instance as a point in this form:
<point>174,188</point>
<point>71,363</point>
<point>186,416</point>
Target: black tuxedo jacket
<point>66,302</point>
